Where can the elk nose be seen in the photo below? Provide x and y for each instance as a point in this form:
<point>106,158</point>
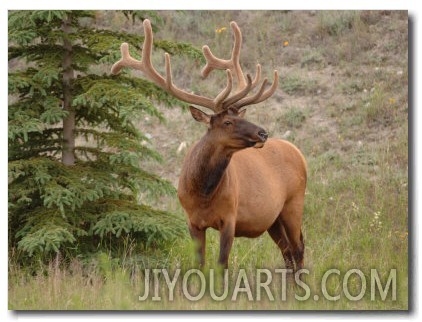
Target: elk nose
<point>263,135</point>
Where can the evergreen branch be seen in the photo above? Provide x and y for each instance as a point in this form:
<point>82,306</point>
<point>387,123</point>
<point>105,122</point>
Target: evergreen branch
<point>114,141</point>
<point>150,223</point>
<point>101,195</point>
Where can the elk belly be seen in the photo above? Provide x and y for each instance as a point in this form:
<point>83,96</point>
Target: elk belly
<point>257,213</point>
<point>254,224</point>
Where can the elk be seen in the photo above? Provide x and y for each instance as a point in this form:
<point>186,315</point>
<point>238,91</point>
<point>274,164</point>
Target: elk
<point>234,179</point>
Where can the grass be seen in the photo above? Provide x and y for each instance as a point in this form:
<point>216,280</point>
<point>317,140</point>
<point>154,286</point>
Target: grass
<point>343,77</point>
<point>349,224</point>
<point>293,117</point>
<point>294,85</point>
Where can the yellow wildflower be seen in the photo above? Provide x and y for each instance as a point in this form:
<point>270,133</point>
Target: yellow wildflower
<point>220,30</point>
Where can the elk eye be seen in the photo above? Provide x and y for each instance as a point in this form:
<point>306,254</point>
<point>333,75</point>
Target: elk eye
<point>227,123</point>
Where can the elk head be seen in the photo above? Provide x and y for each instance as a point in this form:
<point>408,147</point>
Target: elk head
<point>229,129</point>
<point>226,123</point>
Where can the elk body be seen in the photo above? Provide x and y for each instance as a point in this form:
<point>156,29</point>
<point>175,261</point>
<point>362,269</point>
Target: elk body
<point>234,179</point>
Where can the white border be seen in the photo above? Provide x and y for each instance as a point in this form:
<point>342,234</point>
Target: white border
<point>213,4</point>
<point>414,13</point>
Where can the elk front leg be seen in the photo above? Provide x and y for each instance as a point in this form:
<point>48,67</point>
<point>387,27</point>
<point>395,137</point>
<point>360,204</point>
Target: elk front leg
<point>226,242</point>
<point>198,236</point>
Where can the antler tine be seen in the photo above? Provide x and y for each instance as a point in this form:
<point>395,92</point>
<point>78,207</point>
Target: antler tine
<point>233,63</point>
<point>145,65</point>
<point>232,66</point>
<point>244,84</point>
<point>218,101</point>
<point>257,75</point>
<point>249,86</point>
<point>214,105</point>
<point>213,62</point>
<point>125,61</point>
<point>259,96</point>
<point>239,95</point>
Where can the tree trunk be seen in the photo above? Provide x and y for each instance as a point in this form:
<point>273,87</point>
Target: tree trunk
<point>68,147</point>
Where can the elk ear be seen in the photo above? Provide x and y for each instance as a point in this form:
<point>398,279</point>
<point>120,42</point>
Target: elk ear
<point>200,116</point>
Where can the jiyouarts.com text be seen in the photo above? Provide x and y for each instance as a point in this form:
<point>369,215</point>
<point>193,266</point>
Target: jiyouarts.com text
<point>264,284</point>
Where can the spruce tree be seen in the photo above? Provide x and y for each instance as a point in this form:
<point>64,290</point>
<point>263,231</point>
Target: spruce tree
<point>75,154</point>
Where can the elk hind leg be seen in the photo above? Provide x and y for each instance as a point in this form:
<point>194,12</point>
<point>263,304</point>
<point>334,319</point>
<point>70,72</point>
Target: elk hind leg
<point>291,218</point>
<point>278,235</point>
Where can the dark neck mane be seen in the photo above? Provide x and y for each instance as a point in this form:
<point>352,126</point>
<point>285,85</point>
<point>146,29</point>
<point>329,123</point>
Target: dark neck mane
<point>208,166</point>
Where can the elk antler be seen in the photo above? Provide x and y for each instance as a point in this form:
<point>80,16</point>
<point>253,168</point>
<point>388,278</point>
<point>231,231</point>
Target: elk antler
<point>232,66</point>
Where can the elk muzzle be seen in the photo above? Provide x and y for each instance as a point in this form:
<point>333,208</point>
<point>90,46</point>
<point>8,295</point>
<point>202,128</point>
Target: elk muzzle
<point>263,136</point>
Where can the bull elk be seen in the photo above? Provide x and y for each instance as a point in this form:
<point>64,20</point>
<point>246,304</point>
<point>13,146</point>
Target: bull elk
<point>234,179</point>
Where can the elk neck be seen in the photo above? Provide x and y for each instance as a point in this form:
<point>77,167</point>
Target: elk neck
<point>209,161</point>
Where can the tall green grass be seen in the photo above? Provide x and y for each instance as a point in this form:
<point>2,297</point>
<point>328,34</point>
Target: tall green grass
<point>352,220</point>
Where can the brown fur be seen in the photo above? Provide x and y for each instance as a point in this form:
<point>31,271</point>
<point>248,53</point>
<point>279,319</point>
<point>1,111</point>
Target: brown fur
<point>242,191</point>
